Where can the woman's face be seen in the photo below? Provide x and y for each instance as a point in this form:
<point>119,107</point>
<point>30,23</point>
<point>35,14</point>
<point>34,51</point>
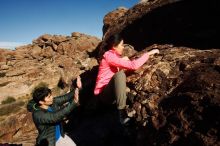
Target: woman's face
<point>120,47</point>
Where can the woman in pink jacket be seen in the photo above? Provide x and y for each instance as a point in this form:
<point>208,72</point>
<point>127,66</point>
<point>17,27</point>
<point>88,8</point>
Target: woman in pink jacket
<point>111,79</point>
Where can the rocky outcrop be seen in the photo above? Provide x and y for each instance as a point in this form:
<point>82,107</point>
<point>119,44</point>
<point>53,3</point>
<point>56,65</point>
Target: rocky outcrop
<point>113,16</point>
<point>18,129</point>
<point>174,98</point>
<point>182,23</point>
<point>54,60</point>
<point>48,59</point>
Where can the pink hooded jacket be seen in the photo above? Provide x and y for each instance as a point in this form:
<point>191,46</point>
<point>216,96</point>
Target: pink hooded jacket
<point>111,63</point>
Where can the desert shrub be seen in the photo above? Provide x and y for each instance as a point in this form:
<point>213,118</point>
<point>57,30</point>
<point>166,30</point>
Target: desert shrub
<point>11,108</point>
<point>8,100</point>
<point>2,74</point>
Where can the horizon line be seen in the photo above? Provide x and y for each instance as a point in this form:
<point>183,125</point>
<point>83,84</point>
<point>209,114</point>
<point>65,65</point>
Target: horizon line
<point>11,45</point>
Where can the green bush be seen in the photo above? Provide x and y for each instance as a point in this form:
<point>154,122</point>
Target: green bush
<point>8,100</point>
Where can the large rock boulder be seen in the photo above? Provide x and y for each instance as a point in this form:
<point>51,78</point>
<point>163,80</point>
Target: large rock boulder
<point>113,16</point>
<point>182,23</point>
<point>174,98</point>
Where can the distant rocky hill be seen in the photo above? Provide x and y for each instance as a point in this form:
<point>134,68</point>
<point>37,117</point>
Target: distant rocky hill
<point>48,59</point>
<point>54,60</point>
<point>174,99</point>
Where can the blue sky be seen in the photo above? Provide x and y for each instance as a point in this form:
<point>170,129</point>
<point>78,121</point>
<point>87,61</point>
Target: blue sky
<point>22,21</point>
